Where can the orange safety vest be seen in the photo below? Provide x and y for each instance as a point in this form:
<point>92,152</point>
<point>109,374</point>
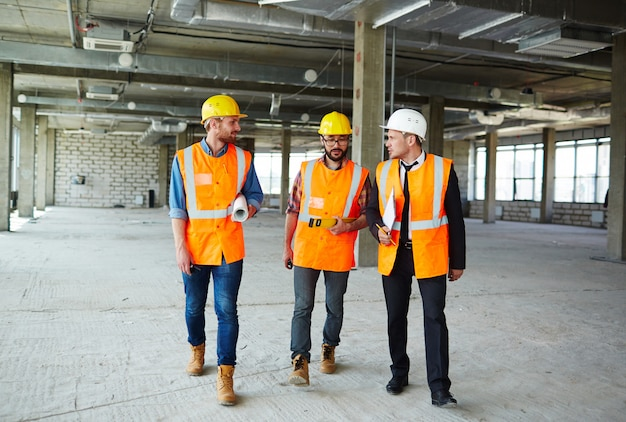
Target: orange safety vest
<point>428,220</point>
<point>211,185</point>
<point>327,193</point>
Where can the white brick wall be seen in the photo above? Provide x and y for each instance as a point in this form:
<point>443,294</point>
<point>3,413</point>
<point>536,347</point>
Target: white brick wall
<point>116,168</point>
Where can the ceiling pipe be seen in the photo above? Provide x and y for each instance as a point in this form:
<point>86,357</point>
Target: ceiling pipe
<point>70,17</point>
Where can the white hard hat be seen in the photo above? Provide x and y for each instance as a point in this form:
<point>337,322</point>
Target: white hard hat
<point>408,121</point>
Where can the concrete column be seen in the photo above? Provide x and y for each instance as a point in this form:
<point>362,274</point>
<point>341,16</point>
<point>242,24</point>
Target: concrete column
<point>6,141</point>
<point>161,199</point>
<point>185,139</point>
<point>42,162</point>
<point>50,152</point>
<point>368,114</point>
<point>616,225</point>
<point>26,170</point>
<point>434,114</point>
<point>285,150</point>
<point>489,205</point>
<point>547,185</point>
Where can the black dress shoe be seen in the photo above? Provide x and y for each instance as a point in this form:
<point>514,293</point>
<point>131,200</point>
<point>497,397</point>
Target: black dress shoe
<point>443,398</point>
<point>396,384</point>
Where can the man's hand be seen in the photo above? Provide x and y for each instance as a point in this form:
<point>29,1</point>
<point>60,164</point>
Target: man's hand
<point>251,211</point>
<point>339,227</point>
<point>288,258</point>
<point>454,275</point>
<point>183,259</point>
<point>384,236</point>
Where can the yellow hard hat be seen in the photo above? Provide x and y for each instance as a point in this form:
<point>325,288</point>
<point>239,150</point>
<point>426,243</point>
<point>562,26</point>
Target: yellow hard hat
<point>220,106</point>
<point>335,123</point>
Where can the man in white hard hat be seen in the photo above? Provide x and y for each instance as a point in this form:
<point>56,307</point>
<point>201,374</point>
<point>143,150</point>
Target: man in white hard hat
<point>422,235</point>
<point>207,177</point>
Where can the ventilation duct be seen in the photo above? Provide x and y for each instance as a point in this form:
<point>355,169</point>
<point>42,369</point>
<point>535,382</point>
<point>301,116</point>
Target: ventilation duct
<point>481,118</point>
<point>565,42</point>
<point>252,17</point>
<point>160,129</point>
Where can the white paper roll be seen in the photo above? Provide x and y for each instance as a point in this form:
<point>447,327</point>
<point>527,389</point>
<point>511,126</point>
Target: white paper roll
<point>240,209</point>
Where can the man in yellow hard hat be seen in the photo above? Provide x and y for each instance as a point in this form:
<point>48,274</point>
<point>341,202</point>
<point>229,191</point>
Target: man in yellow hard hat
<point>207,177</point>
<point>326,209</point>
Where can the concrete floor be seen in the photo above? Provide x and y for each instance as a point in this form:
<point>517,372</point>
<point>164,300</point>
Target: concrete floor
<point>92,329</point>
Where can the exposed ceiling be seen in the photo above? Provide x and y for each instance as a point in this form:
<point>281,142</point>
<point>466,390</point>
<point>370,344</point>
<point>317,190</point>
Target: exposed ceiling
<point>515,65</point>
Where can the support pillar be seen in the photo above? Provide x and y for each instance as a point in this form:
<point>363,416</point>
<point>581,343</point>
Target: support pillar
<point>489,205</point>
<point>547,184</point>
<point>163,175</point>
<point>42,162</point>
<point>616,225</point>
<point>50,152</point>
<point>434,114</point>
<point>285,150</point>
<point>368,113</point>
<point>26,170</point>
<point>6,141</point>
<point>185,138</point>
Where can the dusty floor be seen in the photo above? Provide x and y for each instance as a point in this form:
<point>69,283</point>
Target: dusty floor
<point>92,329</point>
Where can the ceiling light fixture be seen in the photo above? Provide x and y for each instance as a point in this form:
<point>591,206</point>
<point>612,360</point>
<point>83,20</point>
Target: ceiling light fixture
<point>399,13</point>
<point>125,60</point>
<point>310,75</point>
<point>263,2</point>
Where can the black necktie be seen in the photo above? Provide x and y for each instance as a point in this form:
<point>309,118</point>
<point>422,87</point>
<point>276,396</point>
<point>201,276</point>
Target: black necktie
<point>404,226</point>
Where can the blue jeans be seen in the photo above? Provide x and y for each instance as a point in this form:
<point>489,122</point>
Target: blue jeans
<point>304,281</point>
<point>226,281</point>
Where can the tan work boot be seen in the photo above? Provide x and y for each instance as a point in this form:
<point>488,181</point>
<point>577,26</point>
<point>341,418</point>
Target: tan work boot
<point>196,362</point>
<point>224,386</point>
<point>300,374</point>
<point>328,359</point>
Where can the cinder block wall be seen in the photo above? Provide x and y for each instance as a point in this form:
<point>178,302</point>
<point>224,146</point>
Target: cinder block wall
<point>118,170</point>
<point>570,214</point>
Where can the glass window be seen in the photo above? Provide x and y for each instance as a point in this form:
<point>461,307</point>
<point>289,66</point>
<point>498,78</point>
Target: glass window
<point>481,173</point>
<point>505,167</point>
<point>581,171</point>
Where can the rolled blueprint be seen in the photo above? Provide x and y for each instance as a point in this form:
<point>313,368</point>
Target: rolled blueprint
<point>240,209</point>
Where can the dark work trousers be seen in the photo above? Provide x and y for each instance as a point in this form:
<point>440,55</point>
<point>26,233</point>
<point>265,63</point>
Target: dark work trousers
<point>397,288</point>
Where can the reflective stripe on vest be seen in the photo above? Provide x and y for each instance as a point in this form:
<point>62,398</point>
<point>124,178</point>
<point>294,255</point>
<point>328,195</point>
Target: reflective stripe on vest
<point>438,188</point>
<point>307,179</point>
<point>192,207</point>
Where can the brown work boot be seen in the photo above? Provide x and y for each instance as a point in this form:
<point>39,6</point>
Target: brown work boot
<point>196,362</point>
<point>328,359</point>
<point>224,386</point>
<point>300,374</point>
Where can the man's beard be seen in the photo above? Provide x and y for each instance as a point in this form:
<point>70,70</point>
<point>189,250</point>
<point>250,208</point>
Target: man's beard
<point>230,138</point>
<point>335,159</point>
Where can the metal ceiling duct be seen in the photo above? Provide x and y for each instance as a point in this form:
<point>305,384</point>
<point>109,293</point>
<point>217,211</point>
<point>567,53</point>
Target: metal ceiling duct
<point>252,17</point>
<point>565,42</point>
<point>159,129</point>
